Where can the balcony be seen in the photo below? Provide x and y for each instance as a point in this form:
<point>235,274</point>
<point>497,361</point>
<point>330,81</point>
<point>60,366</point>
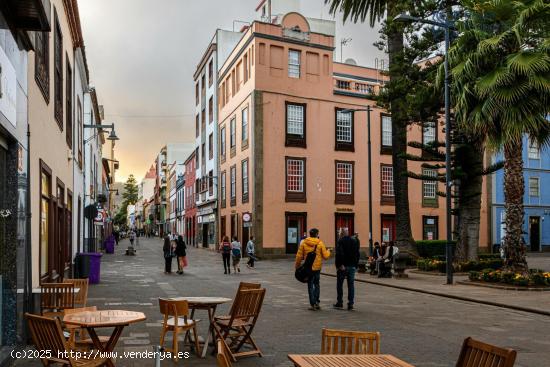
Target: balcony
<point>163,164</point>
<point>355,88</point>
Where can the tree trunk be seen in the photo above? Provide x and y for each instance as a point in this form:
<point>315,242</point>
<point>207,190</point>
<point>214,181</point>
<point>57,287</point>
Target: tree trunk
<point>397,98</point>
<point>469,202</point>
<point>514,189</point>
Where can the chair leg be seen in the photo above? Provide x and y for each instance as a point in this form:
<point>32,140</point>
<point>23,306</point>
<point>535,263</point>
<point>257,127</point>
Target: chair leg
<point>175,344</point>
<point>197,346</point>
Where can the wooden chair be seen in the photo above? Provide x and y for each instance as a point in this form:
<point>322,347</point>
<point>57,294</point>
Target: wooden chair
<point>350,342</point>
<point>222,357</point>
<point>82,342</point>
<point>475,353</point>
<point>47,335</point>
<point>176,319</point>
<point>81,297</point>
<point>237,330</point>
<point>242,286</point>
<point>55,298</point>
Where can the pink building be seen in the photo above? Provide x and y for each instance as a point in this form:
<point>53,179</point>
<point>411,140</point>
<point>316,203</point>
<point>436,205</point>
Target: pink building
<point>190,216</point>
<point>292,158</point>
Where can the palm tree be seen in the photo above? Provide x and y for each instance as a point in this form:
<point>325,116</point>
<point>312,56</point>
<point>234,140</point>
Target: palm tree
<point>501,88</point>
<point>375,10</point>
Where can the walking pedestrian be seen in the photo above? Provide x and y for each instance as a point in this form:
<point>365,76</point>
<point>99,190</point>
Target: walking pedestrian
<point>168,254</point>
<point>116,233</point>
<point>346,261</point>
<point>250,250</point>
<point>313,243</point>
<point>225,249</point>
<point>181,253</point>
<point>236,250</point>
<point>132,236</point>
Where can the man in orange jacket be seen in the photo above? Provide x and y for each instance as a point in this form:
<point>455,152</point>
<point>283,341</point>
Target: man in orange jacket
<point>313,243</point>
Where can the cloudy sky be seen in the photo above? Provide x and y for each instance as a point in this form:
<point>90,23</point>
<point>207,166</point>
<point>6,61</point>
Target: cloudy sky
<point>142,55</point>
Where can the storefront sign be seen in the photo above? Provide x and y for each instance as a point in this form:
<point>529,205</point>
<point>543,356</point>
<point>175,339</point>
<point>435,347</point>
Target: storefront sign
<point>206,211</point>
<point>344,210</point>
<point>8,89</point>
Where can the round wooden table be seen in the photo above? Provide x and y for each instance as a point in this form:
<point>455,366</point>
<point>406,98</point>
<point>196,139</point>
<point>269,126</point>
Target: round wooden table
<point>91,320</point>
<point>210,304</point>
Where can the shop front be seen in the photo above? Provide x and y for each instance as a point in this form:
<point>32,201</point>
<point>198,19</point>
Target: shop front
<point>206,226</point>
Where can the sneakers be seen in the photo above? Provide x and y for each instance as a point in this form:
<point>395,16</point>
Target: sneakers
<point>312,308</point>
<point>338,305</point>
<point>317,307</point>
<point>350,307</point>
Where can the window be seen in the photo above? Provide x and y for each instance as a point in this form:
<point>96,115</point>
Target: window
<point>344,130</point>
<point>222,142</point>
<point>210,72</point>
<point>211,146</point>
<point>211,110</point>
<point>245,68</point>
<point>203,154</point>
<point>344,182</point>
<point>429,188</point>
<point>203,121</point>
<point>197,93</point>
<point>233,183</point>
<point>386,176</point>
<point>386,132</point>
<point>197,128</point>
<point>244,173</point>
<point>429,132</point>
<point>79,128</point>
<point>232,137</point>
<point>295,179</point>
<point>244,126</point>
<point>430,228</point>
<point>58,74</point>
<point>69,105</point>
<point>222,95</point>
<point>534,186</point>
<point>42,63</point>
<point>45,218</point>
<point>295,125</point>
<point>211,183</point>
<point>534,150</point>
<point>294,64</point>
<point>222,189</point>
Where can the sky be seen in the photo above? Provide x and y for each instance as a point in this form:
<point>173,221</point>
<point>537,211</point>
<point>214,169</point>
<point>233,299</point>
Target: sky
<point>142,55</point>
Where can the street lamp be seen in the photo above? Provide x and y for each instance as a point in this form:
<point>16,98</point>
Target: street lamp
<point>368,110</point>
<point>448,181</point>
<point>112,135</point>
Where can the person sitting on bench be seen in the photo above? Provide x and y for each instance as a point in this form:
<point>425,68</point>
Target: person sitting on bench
<point>385,265</point>
<point>373,265</point>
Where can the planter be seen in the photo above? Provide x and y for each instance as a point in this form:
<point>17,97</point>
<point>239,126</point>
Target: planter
<point>508,287</point>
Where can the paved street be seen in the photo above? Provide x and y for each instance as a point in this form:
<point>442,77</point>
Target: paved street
<point>422,329</point>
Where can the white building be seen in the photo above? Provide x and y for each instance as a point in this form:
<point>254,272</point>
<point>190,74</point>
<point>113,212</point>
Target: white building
<point>206,132</point>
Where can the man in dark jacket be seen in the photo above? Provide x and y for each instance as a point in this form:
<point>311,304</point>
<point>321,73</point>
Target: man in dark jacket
<point>346,261</point>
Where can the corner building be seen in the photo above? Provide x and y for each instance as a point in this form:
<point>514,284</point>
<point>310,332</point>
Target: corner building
<point>292,158</point>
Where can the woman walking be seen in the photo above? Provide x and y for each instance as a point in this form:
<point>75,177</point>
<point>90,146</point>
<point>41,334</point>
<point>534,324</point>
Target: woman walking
<point>225,249</point>
<point>168,253</point>
<point>250,252</point>
<point>181,248</point>
<point>237,254</point>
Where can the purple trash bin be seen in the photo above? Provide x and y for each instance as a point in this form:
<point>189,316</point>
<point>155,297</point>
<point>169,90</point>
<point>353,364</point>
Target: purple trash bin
<point>110,246</point>
<point>95,266</point>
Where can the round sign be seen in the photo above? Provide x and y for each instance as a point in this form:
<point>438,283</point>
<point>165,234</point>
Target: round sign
<point>246,217</point>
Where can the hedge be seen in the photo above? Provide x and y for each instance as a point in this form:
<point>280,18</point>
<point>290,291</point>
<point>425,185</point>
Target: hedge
<point>432,248</point>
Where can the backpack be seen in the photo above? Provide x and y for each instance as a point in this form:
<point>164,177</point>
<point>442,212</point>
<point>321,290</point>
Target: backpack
<point>304,272</point>
<point>226,248</point>
<point>236,252</point>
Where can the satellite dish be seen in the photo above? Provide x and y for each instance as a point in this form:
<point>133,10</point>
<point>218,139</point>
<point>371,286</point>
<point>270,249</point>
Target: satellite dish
<point>350,62</point>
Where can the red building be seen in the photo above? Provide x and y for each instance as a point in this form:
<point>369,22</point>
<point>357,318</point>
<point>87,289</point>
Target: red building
<point>190,221</point>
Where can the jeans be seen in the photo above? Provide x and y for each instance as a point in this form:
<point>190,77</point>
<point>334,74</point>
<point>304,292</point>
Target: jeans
<point>349,274</point>
<point>168,264</point>
<point>313,288</point>
<point>226,262</point>
<point>251,260</point>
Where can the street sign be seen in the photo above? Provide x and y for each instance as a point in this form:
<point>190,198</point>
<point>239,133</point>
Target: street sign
<point>247,217</point>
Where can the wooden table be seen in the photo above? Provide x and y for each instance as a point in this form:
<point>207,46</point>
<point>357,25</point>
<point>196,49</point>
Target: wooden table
<point>209,304</point>
<point>349,360</point>
<point>91,320</point>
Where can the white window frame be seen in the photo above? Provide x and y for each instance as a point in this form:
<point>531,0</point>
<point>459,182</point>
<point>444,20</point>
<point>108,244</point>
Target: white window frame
<point>429,187</point>
<point>233,132</point>
<point>297,179</point>
<point>233,189</point>
<point>295,119</point>
<point>533,186</point>
<point>344,172</point>
<point>428,132</point>
<point>386,131</point>
<point>386,181</point>
<point>244,124</point>
<point>294,61</point>
<point>244,169</point>
<point>534,150</point>
<point>344,127</point>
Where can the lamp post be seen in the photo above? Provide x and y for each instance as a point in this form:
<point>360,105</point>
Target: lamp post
<point>448,180</point>
<point>368,110</point>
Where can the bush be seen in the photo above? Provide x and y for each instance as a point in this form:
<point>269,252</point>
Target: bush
<point>521,280</point>
<point>508,277</point>
<point>488,256</point>
<point>473,275</point>
<point>538,278</point>
<point>431,248</point>
<point>490,275</point>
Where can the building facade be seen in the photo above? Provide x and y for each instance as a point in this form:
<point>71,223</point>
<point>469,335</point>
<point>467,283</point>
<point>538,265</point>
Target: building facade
<point>206,122</point>
<point>292,155</point>
<point>180,204</point>
<point>190,215</point>
<point>536,199</point>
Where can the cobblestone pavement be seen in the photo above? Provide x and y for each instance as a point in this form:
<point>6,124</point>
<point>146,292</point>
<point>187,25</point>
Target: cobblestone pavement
<point>424,330</point>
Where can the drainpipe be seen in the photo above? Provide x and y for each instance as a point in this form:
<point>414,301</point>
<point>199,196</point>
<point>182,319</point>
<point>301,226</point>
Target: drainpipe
<point>28,302</point>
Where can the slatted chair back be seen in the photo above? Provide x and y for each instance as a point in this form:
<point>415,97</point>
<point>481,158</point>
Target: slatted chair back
<point>174,308</point>
<point>242,287</point>
<point>81,297</point>
<point>349,342</point>
<point>248,304</point>
<point>475,353</point>
<point>57,297</point>
<point>222,356</point>
<point>47,334</point>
